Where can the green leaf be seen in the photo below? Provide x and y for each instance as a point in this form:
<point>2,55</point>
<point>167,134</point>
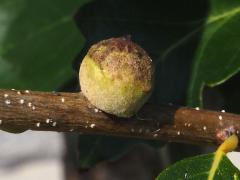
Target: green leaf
<point>218,56</point>
<point>210,167</point>
<point>38,42</point>
<point>198,167</point>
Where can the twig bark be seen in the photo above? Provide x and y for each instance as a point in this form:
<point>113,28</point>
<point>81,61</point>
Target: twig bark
<point>71,112</point>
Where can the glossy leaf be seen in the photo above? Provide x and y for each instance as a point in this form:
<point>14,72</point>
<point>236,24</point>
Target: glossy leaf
<point>198,168</point>
<point>218,55</point>
<point>211,166</point>
<point>38,42</point>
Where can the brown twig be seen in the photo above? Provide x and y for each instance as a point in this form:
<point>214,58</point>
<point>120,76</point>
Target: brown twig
<point>71,112</point>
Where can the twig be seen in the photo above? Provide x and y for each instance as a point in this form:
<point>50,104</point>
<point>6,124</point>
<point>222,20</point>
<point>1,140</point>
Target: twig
<point>71,112</point>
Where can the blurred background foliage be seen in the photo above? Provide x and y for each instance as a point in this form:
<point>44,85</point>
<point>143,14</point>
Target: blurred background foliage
<point>194,45</point>
<point>38,41</point>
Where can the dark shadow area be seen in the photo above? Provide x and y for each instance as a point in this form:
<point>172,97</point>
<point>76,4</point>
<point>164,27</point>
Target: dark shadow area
<point>230,91</point>
<point>162,114</point>
<point>225,96</point>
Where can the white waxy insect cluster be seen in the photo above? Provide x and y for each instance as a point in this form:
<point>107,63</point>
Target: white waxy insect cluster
<point>21,101</point>
<point>38,124</point>
<point>54,123</point>
<point>48,120</point>
<point>204,128</point>
<point>7,102</point>
<point>197,108</point>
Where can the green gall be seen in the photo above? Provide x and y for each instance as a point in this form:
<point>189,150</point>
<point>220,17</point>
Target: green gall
<point>116,76</point>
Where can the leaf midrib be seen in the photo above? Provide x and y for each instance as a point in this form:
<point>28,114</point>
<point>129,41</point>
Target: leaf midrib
<point>228,14</point>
